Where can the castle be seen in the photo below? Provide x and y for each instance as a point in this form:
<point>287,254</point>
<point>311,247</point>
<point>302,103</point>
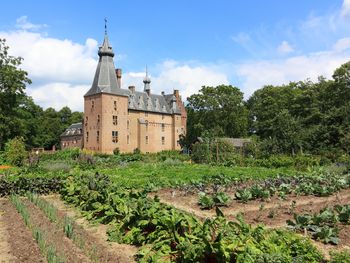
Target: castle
<point>126,119</point>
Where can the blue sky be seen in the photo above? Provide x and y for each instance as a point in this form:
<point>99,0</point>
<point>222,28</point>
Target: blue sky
<point>186,44</point>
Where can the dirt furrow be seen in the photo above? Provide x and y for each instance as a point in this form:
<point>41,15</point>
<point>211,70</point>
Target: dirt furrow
<point>55,236</point>
<point>16,242</point>
<point>95,235</point>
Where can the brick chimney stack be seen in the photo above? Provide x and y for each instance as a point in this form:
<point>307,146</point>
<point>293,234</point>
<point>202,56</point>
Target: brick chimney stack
<point>132,89</point>
<point>118,72</point>
<point>176,93</point>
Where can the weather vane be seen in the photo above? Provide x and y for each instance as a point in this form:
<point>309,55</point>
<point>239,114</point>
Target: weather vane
<point>105,26</point>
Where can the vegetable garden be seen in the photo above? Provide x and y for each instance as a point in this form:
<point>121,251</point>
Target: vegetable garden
<point>171,211</point>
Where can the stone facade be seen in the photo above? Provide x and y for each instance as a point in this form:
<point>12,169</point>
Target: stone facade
<point>125,119</point>
<point>72,137</point>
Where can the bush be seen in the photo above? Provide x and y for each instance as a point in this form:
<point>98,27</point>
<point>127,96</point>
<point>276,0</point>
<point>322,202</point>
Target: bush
<point>15,151</point>
<point>340,257</point>
<point>20,184</point>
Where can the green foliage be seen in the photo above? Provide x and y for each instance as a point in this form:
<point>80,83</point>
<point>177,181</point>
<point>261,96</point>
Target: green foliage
<point>322,226</point>
<point>15,152</point>
<point>166,234</point>
<point>68,227</point>
<point>340,256</point>
<point>38,183</point>
<point>219,111</point>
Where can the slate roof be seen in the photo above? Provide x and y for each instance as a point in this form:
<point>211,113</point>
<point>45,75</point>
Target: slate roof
<point>105,81</point>
<point>74,129</point>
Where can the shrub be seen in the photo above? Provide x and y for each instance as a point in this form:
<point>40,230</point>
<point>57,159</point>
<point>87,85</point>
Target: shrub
<point>340,257</point>
<point>15,151</point>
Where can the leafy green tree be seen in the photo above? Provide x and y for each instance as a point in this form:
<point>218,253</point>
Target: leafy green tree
<point>15,151</point>
<point>219,111</point>
<point>13,81</point>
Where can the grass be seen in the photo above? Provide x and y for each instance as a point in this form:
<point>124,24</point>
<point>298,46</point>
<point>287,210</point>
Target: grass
<point>142,174</point>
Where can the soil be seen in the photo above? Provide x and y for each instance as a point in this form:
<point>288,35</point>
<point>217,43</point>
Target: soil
<point>54,236</point>
<point>16,241</point>
<point>95,236</point>
<point>273,213</point>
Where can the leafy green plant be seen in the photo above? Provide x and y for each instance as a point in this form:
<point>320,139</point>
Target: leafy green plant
<point>68,227</point>
<point>205,201</point>
<point>243,195</point>
<point>15,151</point>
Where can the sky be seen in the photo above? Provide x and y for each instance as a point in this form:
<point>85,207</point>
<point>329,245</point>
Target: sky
<point>185,44</point>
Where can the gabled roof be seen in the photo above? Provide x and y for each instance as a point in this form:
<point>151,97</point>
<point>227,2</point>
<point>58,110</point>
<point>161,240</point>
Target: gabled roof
<point>74,129</point>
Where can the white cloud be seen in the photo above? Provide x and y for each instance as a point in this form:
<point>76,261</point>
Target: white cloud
<point>188,79</point>
<point>345,10</point>
<point>23,23</point>
<point>59,94</point>
<point>256,74</point>
<point>285,48</point>
<point>342,44</point>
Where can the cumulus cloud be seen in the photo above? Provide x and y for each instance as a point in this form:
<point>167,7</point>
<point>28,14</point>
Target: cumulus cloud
<point>59,94</point>
<point>59,68</point>
<point>256,74</point>
<point>285,48</point>
<point>187,78</point>
<point>345,11</point>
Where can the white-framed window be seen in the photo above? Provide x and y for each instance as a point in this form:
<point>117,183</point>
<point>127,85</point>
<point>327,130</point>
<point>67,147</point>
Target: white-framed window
<point>115,120</point>
<point>115,136</point>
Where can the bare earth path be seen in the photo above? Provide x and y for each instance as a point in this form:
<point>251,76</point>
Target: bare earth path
<point>16,241</point>
<point>123,253</point>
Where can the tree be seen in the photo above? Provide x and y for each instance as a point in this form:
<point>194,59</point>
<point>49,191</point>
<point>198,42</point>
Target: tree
<point>218,110</point>
<point>15,151</point>
<point>13,81</point>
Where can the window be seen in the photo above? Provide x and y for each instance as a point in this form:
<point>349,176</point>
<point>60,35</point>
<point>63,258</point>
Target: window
<point>115,120</point>
<point>146,125</point>
<point>86,120</point>
<point>114,136</point>
<point>97,136</point>
<point>163,140</point>
<point>128,139</point>
<point>146,139</point>
<point>98,119</point>
<point>128,124</point>
<point>162,116</point>
<point>115,105</point>
<point>92,105</point>
<point>163,127</point>
<point>87,136</point>
<point>177,143</point>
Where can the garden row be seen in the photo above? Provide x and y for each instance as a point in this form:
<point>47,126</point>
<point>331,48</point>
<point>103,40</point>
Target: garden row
<point>165,234</point>
<point>213,192</point>
<point>322,226</point>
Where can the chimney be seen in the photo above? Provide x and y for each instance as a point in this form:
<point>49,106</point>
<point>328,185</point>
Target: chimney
<point>132,89</point>
<point>176,93</point>
<point>118,72</point>
<point>163,93</point>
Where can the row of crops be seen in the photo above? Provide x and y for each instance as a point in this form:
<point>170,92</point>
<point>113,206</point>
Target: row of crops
<point>165,234</point>
<point>212,192</point>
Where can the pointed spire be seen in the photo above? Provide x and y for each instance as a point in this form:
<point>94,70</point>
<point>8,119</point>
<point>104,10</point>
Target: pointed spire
<point>147,82</point>
<point>105,49</point>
